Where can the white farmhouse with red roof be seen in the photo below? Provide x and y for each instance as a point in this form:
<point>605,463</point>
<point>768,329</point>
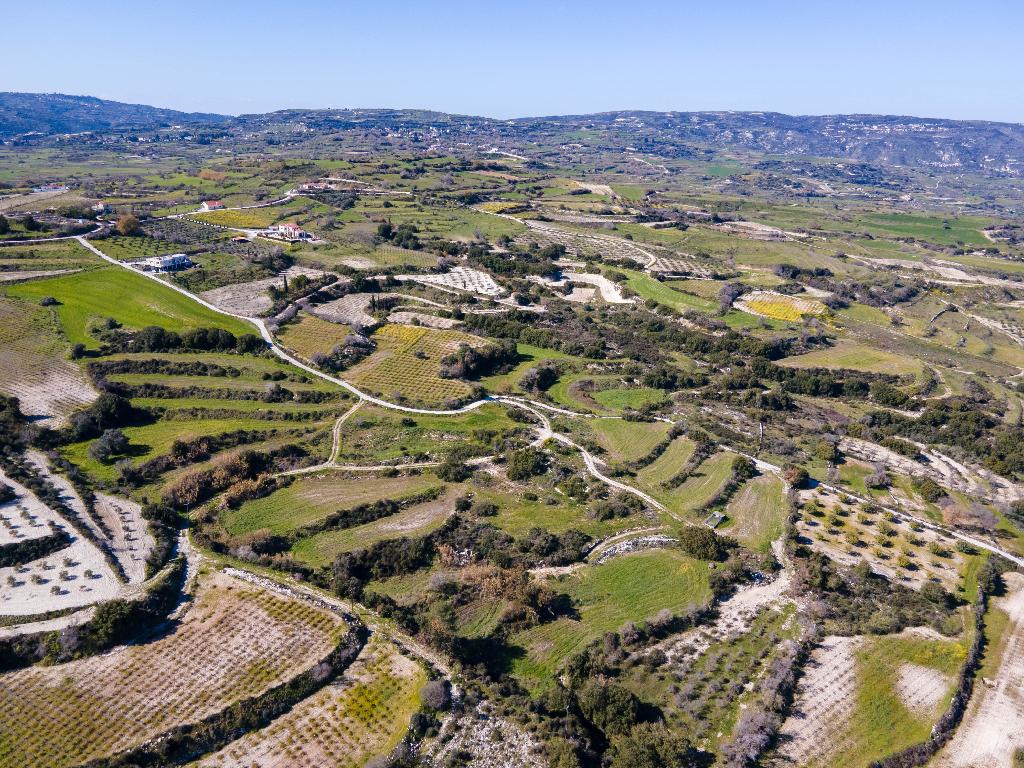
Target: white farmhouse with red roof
<point>211,205</point>
<point>290,231</point>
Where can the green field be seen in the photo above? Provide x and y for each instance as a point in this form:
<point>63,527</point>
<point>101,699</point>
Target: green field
<point>858,357</point>
<point>377,435</point>
<point>881,723</point>
<point>649,288</point>
<point>627,588</point>
<point>701,485</point>
<point>637,397</point>
<point>413,522</point>
<point>132,300</point>
<point>757,512</point>
<point>669,464</point>
<point>629,440</point>
<point>313,497</point>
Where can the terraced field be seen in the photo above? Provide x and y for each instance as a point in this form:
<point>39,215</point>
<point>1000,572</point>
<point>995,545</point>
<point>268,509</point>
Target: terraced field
<point>58,255</point>
<point>33,356</point>
<point>236,641</point>
<point>361,715</point>
<point>313,497</point>
<point>407,363</point>
<point>629,440</point>
<point>312,335</point>
<point>757,512</point>
<point>376,435</point>
<point>627,588</point>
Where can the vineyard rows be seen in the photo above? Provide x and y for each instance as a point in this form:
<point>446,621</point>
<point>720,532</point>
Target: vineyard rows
<point>361,715</point>
<point>234,643</point>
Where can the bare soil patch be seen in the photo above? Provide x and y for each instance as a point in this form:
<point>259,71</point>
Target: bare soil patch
<point>824,703</point>
<point>993,728</point>
<point>491,741</point>
<point>79,573</point>
<point>251,299</point>
<point>130,539</point>
<point>921,688</point>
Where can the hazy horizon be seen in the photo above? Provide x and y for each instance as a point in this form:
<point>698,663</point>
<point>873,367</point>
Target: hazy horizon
<point>910,59</point>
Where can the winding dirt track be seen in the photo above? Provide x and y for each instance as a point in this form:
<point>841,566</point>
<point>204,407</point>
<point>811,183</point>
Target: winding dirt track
<point>545,431</point>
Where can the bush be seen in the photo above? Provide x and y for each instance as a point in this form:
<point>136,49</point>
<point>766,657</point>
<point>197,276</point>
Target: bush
<point>703,543</point>
<point>526,463</point>
<point>650,745</point>
<point>609,706</point>
<point>436,695</point>
<point>112,442</point>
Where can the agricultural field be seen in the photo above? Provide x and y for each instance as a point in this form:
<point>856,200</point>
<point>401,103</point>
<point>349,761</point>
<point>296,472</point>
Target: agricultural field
<point>411,522</point>
<point>713,681</point>
<point>991,733</point>
<point>628,440</point>
<point>407,363</point>
<point>627,588</point>
<point>903,550</point>
<point>361,715</point>
<point>377,435</point>
<point>647,445</point>
<point>311,498</point>
<point>33,350</point>
<point>138,247</point>
<point>777,306</point>
<point>17,261</point>
<point>210,661</point>
<point>131,299</point>
<point>309,335</point>
<point>757,513</point>
<point>866,697</point>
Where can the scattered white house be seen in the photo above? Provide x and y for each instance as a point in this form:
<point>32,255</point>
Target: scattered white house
<point>171,263</point>
<point>290,232</point>
<point>51,188</point>
<point>100,208</point>
<point>211,205</point>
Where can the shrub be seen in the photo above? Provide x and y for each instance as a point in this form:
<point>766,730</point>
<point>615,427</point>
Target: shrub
<point>436,695</point>
<point>526,463</point>
<point>703,543</point>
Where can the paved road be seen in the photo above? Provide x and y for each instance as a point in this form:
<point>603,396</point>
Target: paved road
<point>546,432</point>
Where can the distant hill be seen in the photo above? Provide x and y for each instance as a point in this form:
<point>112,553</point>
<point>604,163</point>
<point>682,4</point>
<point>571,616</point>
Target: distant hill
<point>993,149</point>
<point>58,113</point>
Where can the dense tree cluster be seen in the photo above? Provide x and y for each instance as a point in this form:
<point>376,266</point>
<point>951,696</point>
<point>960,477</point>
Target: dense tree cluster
<point>473,362</point>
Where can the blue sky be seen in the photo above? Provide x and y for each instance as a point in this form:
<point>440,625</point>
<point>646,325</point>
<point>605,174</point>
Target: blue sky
<point>504,59</point>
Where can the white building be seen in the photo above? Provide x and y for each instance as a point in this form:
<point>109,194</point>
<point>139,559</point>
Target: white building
<point>290,232</point>
<point>211,205</point>
<point>171,263</point>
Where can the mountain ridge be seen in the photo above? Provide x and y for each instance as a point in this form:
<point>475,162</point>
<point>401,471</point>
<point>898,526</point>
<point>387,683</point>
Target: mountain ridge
<point>993,148</point>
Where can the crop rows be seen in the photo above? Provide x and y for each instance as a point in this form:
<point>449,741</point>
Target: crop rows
<point>129,248</point>
<point>363,714</point>
<point>777,306</point>
<point>235,643</point>
<point>461,279</point>
<point>902,550</point>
